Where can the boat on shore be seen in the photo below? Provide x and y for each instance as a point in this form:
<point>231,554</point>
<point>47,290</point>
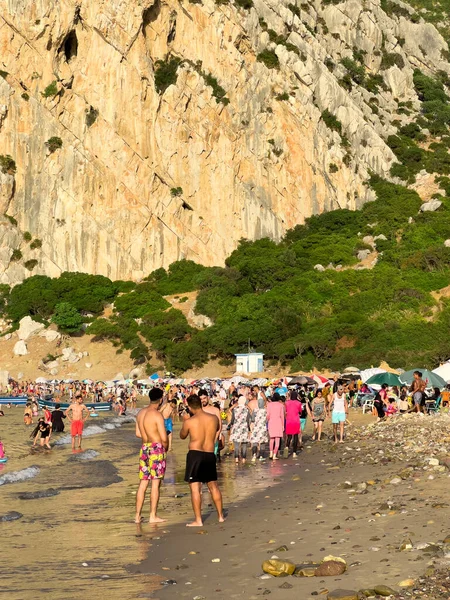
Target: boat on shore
<point>51,403</point>
<point>16,400</point>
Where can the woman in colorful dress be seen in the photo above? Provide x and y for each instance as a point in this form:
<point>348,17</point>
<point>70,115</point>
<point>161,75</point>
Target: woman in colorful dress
<point>240,429</point>
<point>259,436</point>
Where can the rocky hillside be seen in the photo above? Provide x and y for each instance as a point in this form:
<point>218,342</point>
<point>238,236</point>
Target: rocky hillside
<point>137,132</point>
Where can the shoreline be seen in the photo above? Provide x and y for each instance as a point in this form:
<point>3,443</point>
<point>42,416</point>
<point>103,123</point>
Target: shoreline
<point>313,506</point>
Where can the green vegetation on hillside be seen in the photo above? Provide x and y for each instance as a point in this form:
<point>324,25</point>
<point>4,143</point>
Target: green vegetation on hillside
<point>270,294</point>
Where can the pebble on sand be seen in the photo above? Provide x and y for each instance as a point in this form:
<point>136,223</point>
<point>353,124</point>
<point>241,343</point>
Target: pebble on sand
<point>342,595</point>
<point>406,583</point>
<point>278,568</point>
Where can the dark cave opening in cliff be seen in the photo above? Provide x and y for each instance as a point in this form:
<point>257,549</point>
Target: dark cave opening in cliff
<point>70,46</point>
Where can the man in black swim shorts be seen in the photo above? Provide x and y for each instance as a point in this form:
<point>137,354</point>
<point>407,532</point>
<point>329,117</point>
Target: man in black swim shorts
<point>202,428</point>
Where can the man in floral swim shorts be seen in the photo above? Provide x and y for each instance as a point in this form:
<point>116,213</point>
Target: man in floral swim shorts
<point>152,458</point>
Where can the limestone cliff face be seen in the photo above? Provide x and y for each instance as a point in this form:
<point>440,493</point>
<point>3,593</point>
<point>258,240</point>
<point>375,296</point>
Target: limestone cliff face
<point>83,71</point>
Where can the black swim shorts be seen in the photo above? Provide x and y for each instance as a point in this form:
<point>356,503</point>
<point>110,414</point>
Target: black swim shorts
<point>200,467</point>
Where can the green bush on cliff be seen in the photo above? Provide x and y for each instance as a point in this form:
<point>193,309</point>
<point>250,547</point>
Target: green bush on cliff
<point>54,143</point>
<point>269,58</point>
<point>7,164</point>
<point>51,90</point>
<point>166,73</point>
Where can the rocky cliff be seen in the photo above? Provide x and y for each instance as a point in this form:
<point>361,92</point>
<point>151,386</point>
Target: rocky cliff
<point>145,131</point>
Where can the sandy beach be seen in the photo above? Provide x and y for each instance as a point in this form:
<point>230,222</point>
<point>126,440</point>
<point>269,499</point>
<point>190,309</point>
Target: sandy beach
<point>311,507</point>
<point>78,539</point>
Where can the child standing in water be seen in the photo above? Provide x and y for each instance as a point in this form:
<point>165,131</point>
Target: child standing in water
<point>2,450</point>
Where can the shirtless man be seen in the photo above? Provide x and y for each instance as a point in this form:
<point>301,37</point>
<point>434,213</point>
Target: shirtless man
<point>76,419</point>
<point>152,458</point>
<point>418,390</point>
<point>211,410</point>
<point>202,429</point>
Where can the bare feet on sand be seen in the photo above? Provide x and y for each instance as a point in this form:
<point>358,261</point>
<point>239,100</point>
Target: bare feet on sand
<point>156,520</point>
<point>222,519</point>
<point>138,519</point>
<point>195,524</point>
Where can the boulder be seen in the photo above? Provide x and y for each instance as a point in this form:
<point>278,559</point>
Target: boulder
<point>363,254</point>
<point>28,328</point>
<point>20,348</point>
<point>447,243</point>
<point>330,568</point>
<point>431,206</point>
<point>368,239</point>
<point>88,365</point>
<point>342,595</point>
<point>278,568</point>
<point>73,358</point>
<point>53,364</point>
<point>67,353</point>
<point>7,337</point>
<point>50,335</point>
<point>380,237</point>
<point>319,268</point>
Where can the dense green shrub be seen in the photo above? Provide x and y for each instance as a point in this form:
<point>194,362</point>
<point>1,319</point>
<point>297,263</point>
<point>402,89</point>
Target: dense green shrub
<point>27,236</point>
<point>218,91</point>
<point>16,255</point>
<point>269,58</point>
<point>30,264</point>
<point>51,90</point>
<point>166,73</point>
<point>67,318</point>
<point>331,121</point>
<point>176,191</point>
<point>7,164</point>
<point>245,4</point>
<point>54,143</point>
<point>35,244</point>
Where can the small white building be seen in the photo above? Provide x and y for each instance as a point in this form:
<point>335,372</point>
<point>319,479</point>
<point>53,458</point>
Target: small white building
<point>251,362</point>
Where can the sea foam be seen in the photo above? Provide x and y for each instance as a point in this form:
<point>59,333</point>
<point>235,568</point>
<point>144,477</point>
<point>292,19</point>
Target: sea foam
<point>22,475</point>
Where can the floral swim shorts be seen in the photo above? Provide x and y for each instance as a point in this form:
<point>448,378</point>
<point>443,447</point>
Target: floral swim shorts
<point>152,461</point>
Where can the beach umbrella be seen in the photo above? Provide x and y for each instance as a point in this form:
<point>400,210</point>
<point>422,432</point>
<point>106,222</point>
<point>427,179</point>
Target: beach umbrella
<point>319,379</point>
<point>431,379</point>
<point>154,376</point>
<point>368,373</point>
<point>443,371</point>
<point>380,378</point>
<point>41,380</point>
<point>351,370</point>
<point>302,380</point>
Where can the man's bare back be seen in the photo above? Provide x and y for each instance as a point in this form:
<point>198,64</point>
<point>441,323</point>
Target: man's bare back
<point>202,429</point>
<point>150,426</point>
<point>213,410</point>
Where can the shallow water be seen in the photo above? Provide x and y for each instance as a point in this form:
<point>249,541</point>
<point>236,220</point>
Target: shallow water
<point>79,540</point>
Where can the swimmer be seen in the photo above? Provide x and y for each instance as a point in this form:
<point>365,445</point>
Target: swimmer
<point>27,415</point>
<point>76,419</point>
<point>152,458</point>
